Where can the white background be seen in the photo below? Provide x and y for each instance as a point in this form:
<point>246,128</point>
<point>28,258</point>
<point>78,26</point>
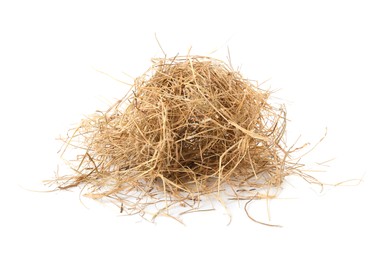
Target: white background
<point>330,61</point>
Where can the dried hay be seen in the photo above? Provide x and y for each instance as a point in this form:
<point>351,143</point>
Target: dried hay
<point>190,128</point>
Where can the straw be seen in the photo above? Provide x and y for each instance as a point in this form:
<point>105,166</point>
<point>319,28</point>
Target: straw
<point>189,128</point>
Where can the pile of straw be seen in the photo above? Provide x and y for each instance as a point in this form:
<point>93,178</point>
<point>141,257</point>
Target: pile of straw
<point>190,127</point>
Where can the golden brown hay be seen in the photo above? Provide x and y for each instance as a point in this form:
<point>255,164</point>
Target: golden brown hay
<point>191,127</point>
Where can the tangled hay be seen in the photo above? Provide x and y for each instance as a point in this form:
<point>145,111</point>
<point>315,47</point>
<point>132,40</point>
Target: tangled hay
<point>189,128</point>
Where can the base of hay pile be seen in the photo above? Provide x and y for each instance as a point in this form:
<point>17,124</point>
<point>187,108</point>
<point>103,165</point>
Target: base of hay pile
<point>191,127</point>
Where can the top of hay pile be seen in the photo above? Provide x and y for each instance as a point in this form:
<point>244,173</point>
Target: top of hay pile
<point>190,126</point>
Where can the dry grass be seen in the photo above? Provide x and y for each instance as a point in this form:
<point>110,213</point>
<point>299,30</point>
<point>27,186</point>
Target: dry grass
<point>190,128</point>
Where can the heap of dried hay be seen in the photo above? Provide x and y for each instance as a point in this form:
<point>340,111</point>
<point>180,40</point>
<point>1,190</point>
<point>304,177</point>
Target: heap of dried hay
<point>191,126</point>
